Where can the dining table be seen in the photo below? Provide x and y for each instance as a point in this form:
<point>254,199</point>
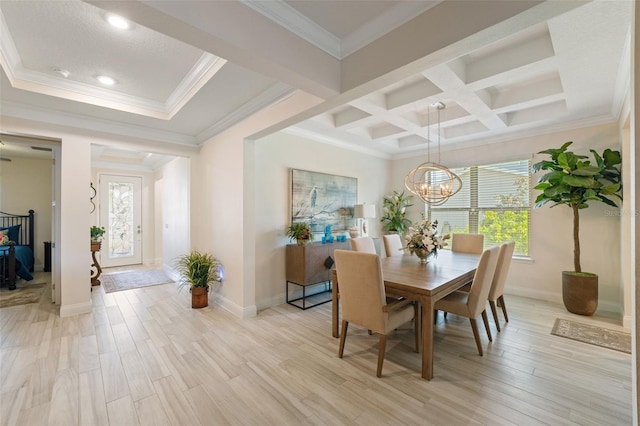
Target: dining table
<point>405,276</point>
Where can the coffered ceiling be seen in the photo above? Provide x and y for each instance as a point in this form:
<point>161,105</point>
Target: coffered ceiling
<point>186,70</point>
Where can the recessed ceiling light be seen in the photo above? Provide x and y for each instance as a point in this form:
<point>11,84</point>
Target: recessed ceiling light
<point>118,21</point>
<point>106,80</point>
<point>62,72</point>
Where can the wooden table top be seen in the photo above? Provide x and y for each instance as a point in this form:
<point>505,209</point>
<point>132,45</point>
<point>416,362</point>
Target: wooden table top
<point>445,271</point>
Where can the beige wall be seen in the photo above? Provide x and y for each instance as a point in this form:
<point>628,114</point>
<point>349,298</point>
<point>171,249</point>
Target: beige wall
<point>275,156</point>
<point>26,185</point>
<point>551,243</point>
<point>172,188</point>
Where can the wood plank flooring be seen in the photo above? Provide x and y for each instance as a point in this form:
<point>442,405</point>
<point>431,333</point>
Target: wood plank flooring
<point>144,357</point>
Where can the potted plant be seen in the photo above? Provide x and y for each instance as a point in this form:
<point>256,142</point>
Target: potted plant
<point>199,271</point>
<point>395,211</point>
<point>96,237</point>
<point>573,181</point>
<point>300,232</point>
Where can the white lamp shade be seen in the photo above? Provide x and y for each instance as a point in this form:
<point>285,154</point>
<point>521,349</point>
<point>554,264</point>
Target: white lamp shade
<point>363,211</point>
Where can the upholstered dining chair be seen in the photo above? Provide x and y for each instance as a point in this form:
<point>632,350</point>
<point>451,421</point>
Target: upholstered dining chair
<point>363,244</point>
<point>392,245</point>
<point>363,300</point>
<point>471,304</point>
<point>496,294</point>
<point>467,243</point>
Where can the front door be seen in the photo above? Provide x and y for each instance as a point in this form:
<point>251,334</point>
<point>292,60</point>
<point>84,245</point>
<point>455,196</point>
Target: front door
<point>121,216</point>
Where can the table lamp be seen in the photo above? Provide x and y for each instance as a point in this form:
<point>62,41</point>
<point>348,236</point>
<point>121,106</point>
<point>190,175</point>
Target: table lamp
<point>364,212</point>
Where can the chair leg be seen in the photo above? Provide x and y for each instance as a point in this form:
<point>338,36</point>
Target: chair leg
<point>474,327</point>
<point>381,348</point>
<point>504,308</point>
<point>486,325</point>
<point>495,314</point>
<point>416,325</point>
<point>343,337</point>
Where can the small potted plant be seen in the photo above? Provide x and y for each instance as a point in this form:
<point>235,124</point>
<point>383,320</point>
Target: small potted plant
<point>199,271</point>
<point>395,211</point>
<point>300,232</point>
<point>96,237</point>
<point>572,180</point>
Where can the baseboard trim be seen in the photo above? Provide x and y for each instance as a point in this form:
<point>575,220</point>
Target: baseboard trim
<point>234,309</point>
<point>76,309</point>
<point>556,297</point>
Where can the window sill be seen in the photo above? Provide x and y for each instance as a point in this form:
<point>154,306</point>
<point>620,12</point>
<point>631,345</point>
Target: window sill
<point>523,259</point>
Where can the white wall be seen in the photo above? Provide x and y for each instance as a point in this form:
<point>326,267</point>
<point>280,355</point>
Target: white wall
<point>275,156</point>
<point>223,215</point>
<point>173,181</point>
<point>26,185</point>
<point>551,242</point>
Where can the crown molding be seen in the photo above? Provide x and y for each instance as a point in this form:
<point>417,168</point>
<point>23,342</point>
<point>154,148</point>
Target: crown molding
<point>286,16</point>
<point>27,112</point>
<point>395,17</point>
<point>273,94</point>
<point>201,72</point>
<point>328,140</point>
<point>9,57</point>
<point>289,18</point>
<point>19,77</point>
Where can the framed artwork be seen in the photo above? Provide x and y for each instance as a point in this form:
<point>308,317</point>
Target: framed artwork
<point>321,199</point>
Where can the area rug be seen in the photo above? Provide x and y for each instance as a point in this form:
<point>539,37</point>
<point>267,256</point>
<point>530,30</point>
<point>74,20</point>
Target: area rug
<point>25,292</point>
<point>594,335</point>
<point>126,280</point>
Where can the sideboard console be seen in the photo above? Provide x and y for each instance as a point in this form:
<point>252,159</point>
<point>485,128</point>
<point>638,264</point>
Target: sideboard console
<point>310,265</point>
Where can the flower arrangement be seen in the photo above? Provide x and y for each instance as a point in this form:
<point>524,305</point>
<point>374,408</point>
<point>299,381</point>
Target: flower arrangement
<point>423,240</point>
<point>4,239</point>
<point>395,210</point>
<point>300,232</point>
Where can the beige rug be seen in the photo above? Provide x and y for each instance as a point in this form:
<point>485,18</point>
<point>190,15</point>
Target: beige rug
<point>126,280</point>
<point>25,292</point>
<point>594,335</point>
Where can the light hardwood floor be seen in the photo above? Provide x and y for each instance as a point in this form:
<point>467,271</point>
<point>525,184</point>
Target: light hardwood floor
<point>145,357</point>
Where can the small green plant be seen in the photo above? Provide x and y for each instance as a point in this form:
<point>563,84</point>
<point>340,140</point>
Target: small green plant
<point>300,232</point>
<point>97,232</point>
<point>394,217</point>
<point>198,270</point>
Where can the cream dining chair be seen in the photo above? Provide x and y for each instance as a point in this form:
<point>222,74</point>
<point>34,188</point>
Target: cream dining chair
<point>362,295</point>
<point>392,245</point>
<point>471,304</point>
<point>363,244</point>
<point>467,243</point>
<point>496,294</point>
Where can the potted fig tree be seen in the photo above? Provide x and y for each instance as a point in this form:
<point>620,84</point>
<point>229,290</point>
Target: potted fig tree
<point>199,271</point>
<point>572,180</point>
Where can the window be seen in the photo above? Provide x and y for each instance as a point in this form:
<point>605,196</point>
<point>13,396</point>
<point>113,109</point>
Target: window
<point>494,201</point>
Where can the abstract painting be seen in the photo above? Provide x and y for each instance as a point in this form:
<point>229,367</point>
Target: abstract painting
<point>321,199</point>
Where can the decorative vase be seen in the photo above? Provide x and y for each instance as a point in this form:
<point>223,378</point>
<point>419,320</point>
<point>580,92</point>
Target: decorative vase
<point>199,297</point>
<point>422,254</point>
